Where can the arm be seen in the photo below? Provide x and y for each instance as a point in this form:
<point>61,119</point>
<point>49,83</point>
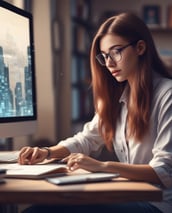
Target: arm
<point>138,172</point>
<point>88,142</point>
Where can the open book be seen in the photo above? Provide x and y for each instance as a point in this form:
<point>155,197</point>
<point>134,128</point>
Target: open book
<point>38,171</point>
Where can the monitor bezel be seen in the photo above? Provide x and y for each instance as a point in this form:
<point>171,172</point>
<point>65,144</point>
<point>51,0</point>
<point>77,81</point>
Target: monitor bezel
<point>29,16</point>
<point>8,123</point>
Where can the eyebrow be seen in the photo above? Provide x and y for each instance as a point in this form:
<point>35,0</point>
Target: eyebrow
<point>117,46</point>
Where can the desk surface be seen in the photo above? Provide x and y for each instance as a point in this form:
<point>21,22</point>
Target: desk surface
<point>40,191</point>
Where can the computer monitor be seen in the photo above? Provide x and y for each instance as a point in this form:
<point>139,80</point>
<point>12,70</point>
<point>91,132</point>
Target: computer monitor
<point>18,106</point>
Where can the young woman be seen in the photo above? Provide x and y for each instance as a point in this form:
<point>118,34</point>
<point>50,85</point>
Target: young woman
<point>133,115</point>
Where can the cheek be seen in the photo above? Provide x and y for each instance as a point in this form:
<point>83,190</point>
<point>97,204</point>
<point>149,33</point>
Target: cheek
<point>130,64</point>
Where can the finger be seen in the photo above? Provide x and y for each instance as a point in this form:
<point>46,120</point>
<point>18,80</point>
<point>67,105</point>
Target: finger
<point>66,159</point>
<point>74,167</point>
<point>29,155</point>
<point>23,150</point>
<point>35,155</point>
<point>73,163</point>
<point>25,155</point>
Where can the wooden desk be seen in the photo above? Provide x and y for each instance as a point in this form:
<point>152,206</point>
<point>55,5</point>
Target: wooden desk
<point>20,191</point>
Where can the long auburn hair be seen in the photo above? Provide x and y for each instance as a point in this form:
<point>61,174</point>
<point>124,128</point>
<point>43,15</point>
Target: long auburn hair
<point>107,91</point>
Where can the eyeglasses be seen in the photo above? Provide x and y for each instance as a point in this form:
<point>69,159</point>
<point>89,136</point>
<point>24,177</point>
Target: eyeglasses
<point>114,54</point>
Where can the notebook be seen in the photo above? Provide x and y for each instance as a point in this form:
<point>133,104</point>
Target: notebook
<point>37,171</point>
<point>82,178</point>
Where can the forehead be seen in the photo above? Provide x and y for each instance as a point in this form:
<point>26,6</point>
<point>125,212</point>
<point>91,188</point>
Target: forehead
<point>110,40</point>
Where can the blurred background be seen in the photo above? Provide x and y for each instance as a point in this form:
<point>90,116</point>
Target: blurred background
<point>63,31</point>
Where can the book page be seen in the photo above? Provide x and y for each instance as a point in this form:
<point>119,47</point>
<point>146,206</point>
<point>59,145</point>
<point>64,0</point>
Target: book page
<point>33,171</point>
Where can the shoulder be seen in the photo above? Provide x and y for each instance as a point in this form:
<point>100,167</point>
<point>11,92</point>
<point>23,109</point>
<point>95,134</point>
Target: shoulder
<point>162,85</point>
<point>162,91</point>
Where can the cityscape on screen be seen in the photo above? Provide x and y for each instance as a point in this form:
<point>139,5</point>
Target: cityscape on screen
<point>17,100</point>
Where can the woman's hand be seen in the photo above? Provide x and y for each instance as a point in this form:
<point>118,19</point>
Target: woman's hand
<point>78,160</point>
<point>30,155</point>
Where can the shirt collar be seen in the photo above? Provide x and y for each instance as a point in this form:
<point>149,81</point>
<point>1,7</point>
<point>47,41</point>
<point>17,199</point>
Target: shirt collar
<point>124,96</point>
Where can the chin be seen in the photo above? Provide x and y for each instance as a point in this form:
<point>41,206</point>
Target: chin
<point>120,79</point>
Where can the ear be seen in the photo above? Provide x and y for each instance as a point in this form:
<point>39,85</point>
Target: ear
<point>141,47</point>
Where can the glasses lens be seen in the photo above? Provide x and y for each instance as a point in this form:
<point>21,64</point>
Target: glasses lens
<point>115,55</point>
<point>101,59</point>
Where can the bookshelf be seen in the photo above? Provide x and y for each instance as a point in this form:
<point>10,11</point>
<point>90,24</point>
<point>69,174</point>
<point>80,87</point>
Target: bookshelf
<point>80,19</point>
<point>162,38</point>
<point>160,24</point>
<point>156,14</point>
<point>81,94</point>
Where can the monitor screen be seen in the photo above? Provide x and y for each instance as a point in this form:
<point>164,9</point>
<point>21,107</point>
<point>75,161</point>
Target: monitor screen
<point>18,112</point>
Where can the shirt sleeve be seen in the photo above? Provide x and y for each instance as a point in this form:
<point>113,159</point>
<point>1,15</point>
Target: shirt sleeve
<point>162,151</point>
<point>88,141</point>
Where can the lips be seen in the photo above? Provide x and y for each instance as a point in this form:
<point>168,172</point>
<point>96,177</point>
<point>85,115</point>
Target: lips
<point>115,72</point>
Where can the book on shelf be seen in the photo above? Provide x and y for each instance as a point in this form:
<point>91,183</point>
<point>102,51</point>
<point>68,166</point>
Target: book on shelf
<point>80,9</point>
<point>75,104</point>
<point>74,73</point>
<point>152,15</point>
<point>80,37</point>
<point>169,16</point>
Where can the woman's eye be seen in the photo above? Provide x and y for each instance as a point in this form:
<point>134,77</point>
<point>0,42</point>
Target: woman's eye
<point>115,52</point>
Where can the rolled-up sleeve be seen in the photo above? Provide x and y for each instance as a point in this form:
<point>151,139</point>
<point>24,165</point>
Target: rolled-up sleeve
<point>87,141</point>
<point>162,150</point>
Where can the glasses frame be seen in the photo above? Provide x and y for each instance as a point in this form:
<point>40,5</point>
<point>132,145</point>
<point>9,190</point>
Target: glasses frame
<point>119,50</point>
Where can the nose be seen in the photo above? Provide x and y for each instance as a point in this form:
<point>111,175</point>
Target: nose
<point>110,61</point>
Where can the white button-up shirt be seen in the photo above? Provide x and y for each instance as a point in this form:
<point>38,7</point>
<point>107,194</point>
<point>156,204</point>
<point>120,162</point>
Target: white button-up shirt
<point>155,148</point>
